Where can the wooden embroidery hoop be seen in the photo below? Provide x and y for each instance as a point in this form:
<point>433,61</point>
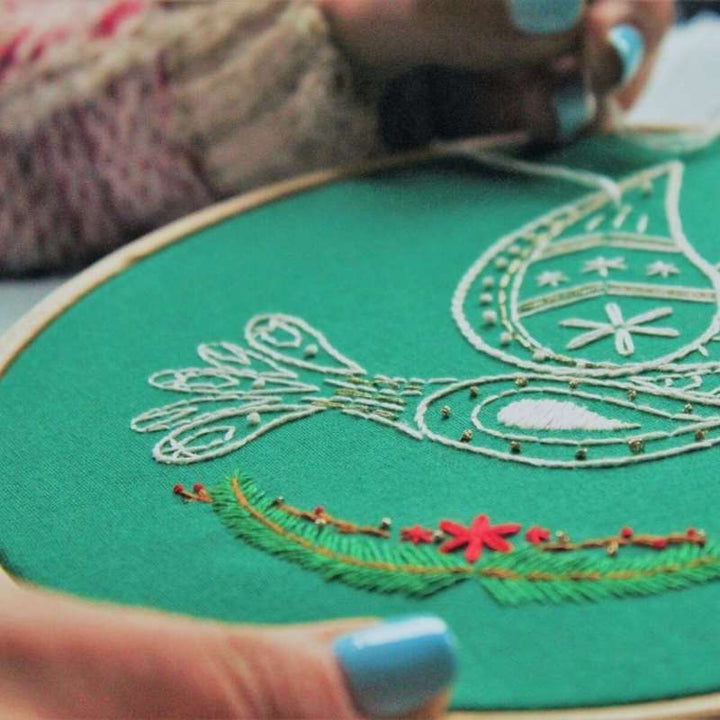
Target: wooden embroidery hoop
<point>14,341</point>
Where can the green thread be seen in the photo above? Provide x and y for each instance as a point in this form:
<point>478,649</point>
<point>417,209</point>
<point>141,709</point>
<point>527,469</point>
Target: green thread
<point>523,576</point>
<point>358,562</point>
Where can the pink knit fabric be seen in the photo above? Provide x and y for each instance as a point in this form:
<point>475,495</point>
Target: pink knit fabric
<point>116,117</point>
<point>93,175</point>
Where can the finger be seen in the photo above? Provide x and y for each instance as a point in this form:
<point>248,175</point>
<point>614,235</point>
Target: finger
<point>103,661</point>
<point>5,580</point>
<point>401,668</point>
<point>392,38</point>
<point>491,35</point>
<point>623,40</point>
<point>549,105</point>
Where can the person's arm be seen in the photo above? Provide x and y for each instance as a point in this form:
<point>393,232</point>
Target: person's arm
<point>123,115</point>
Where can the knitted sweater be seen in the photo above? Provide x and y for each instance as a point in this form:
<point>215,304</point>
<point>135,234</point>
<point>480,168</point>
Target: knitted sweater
<point>116,117</point>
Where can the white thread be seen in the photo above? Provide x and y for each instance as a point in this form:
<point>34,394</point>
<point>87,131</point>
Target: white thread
<point>619,327</point>
<point>608,399</point>
<point>556,415</point>
<point>169,416</point>
<point>604,462</point>
<point>173,449</point>
<point>556,172</point>
<point>209,435</point>
<point>577,210</point>
<point>602,265</point>
<point>609,240</point>
<point>259,329</point>
<point>595,222</point>
<point>221,353</point>
<point>550,277</point>
<point>489,317</point>
<point>661,268</point>
<point>622,216</point>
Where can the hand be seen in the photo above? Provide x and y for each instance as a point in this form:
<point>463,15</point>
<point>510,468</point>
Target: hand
<point>62,657</point>
<point>552,68</point>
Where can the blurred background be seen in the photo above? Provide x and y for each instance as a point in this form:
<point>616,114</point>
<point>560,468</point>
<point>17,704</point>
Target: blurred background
<point>685,89</point>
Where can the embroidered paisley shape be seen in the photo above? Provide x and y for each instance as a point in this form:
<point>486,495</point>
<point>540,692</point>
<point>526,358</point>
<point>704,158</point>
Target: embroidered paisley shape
<point>655,423</point>
<point>603,303</point>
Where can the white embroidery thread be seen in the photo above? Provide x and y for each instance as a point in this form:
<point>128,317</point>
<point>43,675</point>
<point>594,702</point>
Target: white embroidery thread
<point>290,371</point>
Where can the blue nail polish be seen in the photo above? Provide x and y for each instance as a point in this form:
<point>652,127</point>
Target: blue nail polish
<point>574,107</point>
<point>396,667</point>
<point>541,17</point>
<point>628,42</point>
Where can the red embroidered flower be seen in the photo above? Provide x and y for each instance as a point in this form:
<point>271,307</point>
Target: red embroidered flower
<point>480,534</point>
<point>416,534</point>
<point>537,535</point>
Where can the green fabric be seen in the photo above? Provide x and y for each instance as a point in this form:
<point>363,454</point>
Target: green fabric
<point>372,263</point>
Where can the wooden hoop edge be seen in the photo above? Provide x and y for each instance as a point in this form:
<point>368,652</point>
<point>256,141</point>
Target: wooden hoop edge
<point>23,331</point>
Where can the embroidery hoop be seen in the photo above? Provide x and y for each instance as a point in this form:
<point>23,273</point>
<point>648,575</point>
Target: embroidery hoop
<point>31,325</point>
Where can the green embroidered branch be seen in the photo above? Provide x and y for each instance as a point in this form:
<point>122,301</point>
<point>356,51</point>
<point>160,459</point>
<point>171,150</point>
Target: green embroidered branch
<point>526,575</point>
<point>320,517</point>
<point>359,562</point>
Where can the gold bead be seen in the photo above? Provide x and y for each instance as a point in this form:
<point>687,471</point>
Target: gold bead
<point>581,454</point>
<point>612,547</point>
<point>466,436</point>
<point>320,521</point>
<point>700,435</point>
<point>386,523</point>
<point>438,536</point>
<point>636,446</point>
<point>515,447</point>
<point>521,382</point>
<point>445,412</point>
<point>632,394</point>
<point>562,536</point>
<point>474,392</point>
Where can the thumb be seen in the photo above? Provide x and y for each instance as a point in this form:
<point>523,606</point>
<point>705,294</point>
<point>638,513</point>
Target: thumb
<point>64,657</point>
<point>345,669</point>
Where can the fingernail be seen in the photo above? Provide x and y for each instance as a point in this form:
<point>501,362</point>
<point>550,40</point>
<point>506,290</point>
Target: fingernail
<point>574,108</point>
<point>628,43</point>
<point>396,667</point>
<point>540,17</point>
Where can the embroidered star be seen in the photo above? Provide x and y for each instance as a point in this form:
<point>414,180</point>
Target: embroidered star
<point>602,265</point>
<point>620,328</point>
<point>480,534</point>
<point>537,535</point>
<point>663,269</point>
<point>416,534</point>
<point>550,277</point>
